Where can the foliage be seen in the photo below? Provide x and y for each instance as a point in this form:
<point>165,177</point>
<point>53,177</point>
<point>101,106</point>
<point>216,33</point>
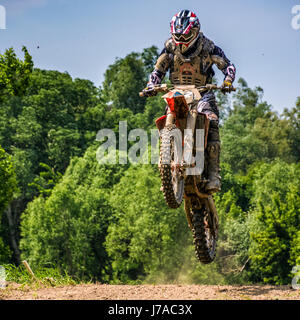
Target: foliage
<point>145,239</point>
<point>293,119</point>
<point>126,78</point>
<point>46,181</point>
<point>7,179</point>
<point>274,249</point>
<point>110,222</point>
<point>252,132</point>
<point>14,73</point>
<point>8,185</point>
<point>68,228</point>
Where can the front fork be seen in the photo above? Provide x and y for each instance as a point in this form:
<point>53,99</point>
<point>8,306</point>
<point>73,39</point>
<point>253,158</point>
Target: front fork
<point>171,116</point>
<point>189,136</point>
<point>187,129</point>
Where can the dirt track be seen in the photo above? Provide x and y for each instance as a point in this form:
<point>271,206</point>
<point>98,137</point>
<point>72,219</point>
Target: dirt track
<point>150,292</point>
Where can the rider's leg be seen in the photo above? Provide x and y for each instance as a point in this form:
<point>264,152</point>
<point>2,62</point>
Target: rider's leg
<point>208,105</point>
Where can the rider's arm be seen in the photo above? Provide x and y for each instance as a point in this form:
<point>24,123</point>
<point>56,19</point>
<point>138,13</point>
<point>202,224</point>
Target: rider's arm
<point>223,63</point>
<point>161,68</point>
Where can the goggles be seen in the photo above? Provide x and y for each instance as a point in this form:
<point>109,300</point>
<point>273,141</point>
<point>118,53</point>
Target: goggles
<point>179,37</point>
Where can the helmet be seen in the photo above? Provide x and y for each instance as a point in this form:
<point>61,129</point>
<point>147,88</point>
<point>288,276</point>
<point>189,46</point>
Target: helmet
<point>185,28</point>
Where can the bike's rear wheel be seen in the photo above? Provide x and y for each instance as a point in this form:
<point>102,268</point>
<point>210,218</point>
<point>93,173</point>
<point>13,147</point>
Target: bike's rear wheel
<point>205,233</point>
<point>171,177</point>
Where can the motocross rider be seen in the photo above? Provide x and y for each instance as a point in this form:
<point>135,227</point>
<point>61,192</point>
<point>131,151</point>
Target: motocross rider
<point>189,56</point>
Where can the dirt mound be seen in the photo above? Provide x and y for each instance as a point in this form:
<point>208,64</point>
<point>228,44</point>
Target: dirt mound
<point>150,292</point>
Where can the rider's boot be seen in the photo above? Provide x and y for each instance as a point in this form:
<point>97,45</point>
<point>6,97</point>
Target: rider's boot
<point>213,150</point>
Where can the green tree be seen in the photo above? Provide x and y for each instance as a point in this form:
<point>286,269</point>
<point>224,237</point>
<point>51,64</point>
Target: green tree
<point>7,179</point>
<point>8,185</point>
<point>293,119</point>
<point>124,79</point>
<point>149,57</point>
<point>252,132</point>
<point>145,239</point>
<point>14,73</point>
<point>56,120</point>
<point>274,248</point>
<point>233,204</point>
<point>68,228</point>
<point>47,180</point>
<point>15,76</point>
<point>47,125</point>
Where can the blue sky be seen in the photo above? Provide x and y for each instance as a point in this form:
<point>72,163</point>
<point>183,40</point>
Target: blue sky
<point>84,37</point>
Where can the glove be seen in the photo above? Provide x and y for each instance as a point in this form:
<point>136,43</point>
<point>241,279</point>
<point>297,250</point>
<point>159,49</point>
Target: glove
<point>227,85</point>
<point>149,90</point>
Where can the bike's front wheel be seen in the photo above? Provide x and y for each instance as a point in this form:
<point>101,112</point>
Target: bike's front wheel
<point>170,171</point>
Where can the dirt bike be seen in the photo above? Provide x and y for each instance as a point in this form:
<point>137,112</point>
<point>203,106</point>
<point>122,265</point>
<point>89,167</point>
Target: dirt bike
<point>184,174</point>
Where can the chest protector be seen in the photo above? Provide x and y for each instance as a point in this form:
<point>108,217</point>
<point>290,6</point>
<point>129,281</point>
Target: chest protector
<point>187,73</point>
<point>194,69</point>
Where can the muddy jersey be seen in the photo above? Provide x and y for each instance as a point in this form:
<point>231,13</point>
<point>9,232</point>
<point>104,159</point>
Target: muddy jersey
<point>194,67</point>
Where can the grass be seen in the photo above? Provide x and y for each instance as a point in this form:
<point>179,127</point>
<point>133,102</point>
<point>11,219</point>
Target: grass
<point>43,276</point>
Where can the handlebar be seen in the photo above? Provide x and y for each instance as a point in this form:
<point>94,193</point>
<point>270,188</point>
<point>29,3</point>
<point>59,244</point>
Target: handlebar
<point>165,88</point>
<point>215,87</point>
<point>158,88</point>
